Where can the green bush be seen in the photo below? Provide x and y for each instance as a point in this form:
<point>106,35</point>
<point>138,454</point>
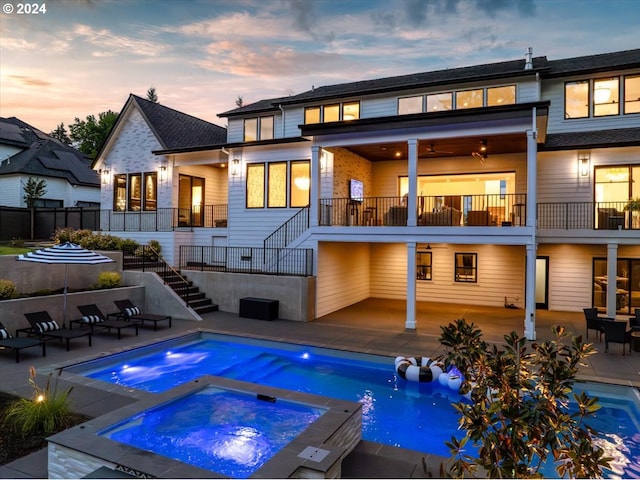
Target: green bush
<point>17,242</point>
<point>7,289</point>
<point>95,241</point>
<point>108,280</point>
<point>128,245</point>
<point>47,412</point>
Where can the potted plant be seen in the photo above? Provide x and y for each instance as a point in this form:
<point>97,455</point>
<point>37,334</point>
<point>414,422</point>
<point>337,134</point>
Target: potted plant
<point>633,205</point>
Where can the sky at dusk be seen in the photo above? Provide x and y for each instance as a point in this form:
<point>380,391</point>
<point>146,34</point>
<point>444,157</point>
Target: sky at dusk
<point>83,57</point>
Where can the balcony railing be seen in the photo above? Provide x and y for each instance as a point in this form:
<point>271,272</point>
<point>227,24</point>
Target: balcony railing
<point>451,210</point>
<point>164,219</point>
<point>586,215</point>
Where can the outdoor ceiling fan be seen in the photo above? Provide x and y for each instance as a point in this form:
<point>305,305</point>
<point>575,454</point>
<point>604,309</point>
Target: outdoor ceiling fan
<point>431,150</point>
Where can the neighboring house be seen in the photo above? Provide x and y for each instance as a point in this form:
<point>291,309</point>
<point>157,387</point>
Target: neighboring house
<point>497,184</point>
<point>26,152</point>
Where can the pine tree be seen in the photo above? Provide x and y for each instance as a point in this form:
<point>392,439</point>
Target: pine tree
<point>33,191</point>
<point>152,95</point>
<point>60,133</point>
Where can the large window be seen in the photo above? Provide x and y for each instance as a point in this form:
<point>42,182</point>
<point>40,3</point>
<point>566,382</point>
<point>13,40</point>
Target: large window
<point>135,192</point>
<point>441,102</point>
<point>332,113</point>
<point>408,105</point>
<point>601,97</point>
<point>614,186</point>
<point>627,284</point>
<point>501,96</point>
<point>281,178</point>
<point>469,99</point>
<point>466,267</point>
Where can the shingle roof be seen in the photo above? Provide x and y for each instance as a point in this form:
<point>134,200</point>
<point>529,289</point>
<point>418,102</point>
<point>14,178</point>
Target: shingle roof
<point>175,129</point>
<point>403,82</point>
<point>43,155</point>
<point>593,139</point>
<point>594,63</point>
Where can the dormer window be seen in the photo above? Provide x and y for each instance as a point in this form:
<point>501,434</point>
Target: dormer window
<point>260,128</point>
<point>332,113</point>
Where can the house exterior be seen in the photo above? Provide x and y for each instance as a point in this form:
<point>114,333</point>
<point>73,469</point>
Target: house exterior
<point>505,184</point>
<point>26,152</point>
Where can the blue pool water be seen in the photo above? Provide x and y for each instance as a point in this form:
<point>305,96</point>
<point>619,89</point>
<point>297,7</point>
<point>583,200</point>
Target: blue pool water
<point>230,433</point>
<point>412,415</point>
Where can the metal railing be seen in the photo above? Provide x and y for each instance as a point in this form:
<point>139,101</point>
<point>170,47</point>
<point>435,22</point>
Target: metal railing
<point>279,261</point>
<point>586,215</point>
<point>437,210</point>
<point>288,231</point>
<point>164,219</point>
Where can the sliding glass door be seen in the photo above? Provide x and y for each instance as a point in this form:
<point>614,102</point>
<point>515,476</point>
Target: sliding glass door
<point>627,284</point>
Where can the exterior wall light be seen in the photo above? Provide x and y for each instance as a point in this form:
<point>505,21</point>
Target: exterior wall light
<point>105,175</point>
<point>235,167</point>
<point>162,173</point>
<point>583,163</point>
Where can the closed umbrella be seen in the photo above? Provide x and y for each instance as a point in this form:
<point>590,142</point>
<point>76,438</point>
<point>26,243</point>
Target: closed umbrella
<point>68,254</point>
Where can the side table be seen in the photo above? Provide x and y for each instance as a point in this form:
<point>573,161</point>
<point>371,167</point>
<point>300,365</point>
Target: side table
<point>635,340</point>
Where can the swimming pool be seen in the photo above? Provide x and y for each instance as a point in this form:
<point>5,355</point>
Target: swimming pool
<point>412,415</point>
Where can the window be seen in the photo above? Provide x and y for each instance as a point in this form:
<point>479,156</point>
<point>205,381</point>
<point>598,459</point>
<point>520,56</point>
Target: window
<point>466,269</point>
<point>50,203</point>
<point>606,97</point>
<point>576,99</point>
<point>311,115</point>
<point>135,192</point>
<point>266,128</point>
<point>501,96</point>
<point>250,129</point>
<point>423,265</point>
<point>150,191</point>
<point>409,105</point>
<point>331,113</point>
<point>277,192</point>
<point>255,185</point>
<point>632,94</point>
<point>300,180</point>
<point>119,193</point>
<point>469,99</point>
<point>439,102</point>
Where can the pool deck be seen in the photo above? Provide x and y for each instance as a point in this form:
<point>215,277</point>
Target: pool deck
<point>372,326</point>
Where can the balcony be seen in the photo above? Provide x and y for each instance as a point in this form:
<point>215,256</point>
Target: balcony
<point>164,219</point>
<point>586,215</point>
<point>496,210</point>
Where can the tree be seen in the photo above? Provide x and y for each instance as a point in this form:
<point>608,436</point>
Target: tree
<point>88,135</point>
<point>33,191</point>
<point>60,133</point>
<point>239,101</point>
<point>152,96</point>
<point>519,415</point>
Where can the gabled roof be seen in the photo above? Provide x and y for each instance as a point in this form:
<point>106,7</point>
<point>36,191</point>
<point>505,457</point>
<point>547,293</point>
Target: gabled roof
<point>43,156</point>
<point>594,63</point>
<point>488,71</point>
<point>175,129</point>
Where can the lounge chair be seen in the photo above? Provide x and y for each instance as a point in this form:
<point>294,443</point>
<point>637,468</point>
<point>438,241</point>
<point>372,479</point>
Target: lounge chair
<point>17,344</point>
<point>93,317</point>
<point>129,311</point>
<point>46,328</point>
<point>594,321</point>
<point>616,332</point>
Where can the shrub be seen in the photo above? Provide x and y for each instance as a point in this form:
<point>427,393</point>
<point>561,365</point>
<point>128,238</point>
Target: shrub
<point>7,289</point>
<point>128,245</point>
<point>17,242</point>
<point>519,415</point>
<point>47,412</point>
<point>95,241</point>
<point>155,248</point>
<point>108,280</point>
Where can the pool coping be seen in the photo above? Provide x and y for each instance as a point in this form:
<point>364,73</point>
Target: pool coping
<point>80,450</point>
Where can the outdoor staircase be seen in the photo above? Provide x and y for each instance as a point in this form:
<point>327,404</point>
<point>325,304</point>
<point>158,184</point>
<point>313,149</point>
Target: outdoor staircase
<point>190,293</point>
<point>180,284</point>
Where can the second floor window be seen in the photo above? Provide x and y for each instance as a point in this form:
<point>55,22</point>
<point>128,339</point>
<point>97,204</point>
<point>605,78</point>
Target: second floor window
<point>258,129</point>
<point>601,97</point>
<point>441,102</point>
<point>332,113</point>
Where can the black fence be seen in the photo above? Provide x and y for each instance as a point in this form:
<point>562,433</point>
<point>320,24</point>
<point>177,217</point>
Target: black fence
<point>266,261</point>
<point>586,215</point>
<point>15,223</point>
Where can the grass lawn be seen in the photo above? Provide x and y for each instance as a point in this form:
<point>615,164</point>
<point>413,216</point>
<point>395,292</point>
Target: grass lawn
<point>7,250</point>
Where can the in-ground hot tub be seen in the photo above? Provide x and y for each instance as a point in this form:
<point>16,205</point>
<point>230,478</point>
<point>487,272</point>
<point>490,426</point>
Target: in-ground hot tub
<point>214,427</point>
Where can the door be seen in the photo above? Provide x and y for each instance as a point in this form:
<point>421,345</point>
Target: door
<point>190,201</point>
<point>542,283</point>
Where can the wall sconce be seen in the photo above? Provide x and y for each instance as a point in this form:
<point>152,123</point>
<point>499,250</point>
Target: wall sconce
<point>235,167</point>
<point>583,163</point>
<point>162,172</point>
<point>105,174</point>
<point>483,146</point>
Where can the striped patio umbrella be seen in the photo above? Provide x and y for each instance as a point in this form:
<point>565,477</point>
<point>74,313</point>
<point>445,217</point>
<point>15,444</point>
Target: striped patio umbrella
<point>67,254</point>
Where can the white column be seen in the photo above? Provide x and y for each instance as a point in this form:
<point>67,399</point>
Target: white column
<point>530,294</point>
<point>412,203</point>
<point>314,185</point>
<point>532,180</point>
<point>410,323</point>
<point>612,283</point>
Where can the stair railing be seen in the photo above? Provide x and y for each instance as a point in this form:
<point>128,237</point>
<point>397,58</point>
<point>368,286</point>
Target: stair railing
<point>148,259</point>
<point>285,234</point>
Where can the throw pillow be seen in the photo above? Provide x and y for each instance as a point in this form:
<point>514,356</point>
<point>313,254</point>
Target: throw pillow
<point>43,327</point>
<point>92,319</point>
<point>4,334</point>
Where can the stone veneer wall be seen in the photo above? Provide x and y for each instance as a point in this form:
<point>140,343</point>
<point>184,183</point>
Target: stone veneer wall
<point>348,165</point>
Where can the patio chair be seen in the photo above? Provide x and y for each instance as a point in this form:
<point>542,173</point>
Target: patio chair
<point>634,322</point>
<point>129,311</point>
<point>46,328</point>
<point>16,344</point>
<point>616,332</point>
<point>594,321</point>
<point>95,319</point>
